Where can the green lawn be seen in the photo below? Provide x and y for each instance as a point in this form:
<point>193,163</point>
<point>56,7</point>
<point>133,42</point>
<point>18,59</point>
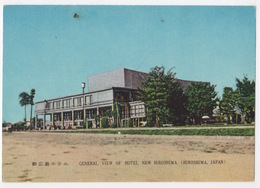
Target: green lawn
<point>221,125</point>
<point>205,132</point>
<point>207,125</point>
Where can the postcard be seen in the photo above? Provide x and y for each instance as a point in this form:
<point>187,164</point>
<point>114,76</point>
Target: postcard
<point>120,93</point>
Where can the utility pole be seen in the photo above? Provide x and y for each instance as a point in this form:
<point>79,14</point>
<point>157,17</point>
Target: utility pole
<point>83,87</point>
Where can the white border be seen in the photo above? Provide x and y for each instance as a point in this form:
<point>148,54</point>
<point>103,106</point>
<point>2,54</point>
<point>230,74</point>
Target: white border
<point>129,2</point>
<point>139,2</point>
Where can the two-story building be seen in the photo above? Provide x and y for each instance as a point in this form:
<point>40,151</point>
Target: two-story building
<point>103,91</point>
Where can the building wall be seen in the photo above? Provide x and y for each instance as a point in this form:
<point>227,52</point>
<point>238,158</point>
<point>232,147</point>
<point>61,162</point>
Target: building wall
<point>106,80</point>
<point>39,106</point>
<point>186,83</point>
<point>116,78</point>
<point>102,96</point>
<point>134,79</point>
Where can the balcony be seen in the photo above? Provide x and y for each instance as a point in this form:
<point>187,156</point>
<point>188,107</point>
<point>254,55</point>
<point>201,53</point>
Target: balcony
<point>41,107</point>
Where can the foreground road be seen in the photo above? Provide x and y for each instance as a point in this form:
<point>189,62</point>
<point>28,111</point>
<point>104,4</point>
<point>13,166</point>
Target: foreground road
<point>55,157</point>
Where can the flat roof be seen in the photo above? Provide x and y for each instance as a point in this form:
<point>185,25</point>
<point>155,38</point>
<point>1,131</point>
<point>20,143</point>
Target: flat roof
<point>117,70</point>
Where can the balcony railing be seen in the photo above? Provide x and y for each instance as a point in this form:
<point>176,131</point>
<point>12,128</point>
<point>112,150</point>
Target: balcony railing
<point>79,105</point>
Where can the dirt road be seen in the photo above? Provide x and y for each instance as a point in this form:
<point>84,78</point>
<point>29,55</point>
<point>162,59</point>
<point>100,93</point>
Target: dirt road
<point>70,157</point>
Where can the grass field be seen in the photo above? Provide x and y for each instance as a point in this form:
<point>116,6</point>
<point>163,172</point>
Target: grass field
<point>191,131</point>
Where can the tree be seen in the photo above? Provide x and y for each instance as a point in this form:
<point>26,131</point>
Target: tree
<point>240,101</point>
<point>245,92</point>
<point>177,103</point>
<point>31,102</point>
<point>155,92</point>
<point>245,86</point>
<point>109,114</point>
<point>24,100</point>
<point>104,122</point>
<point>116,112</point>
<point>227,104</point>
<point>97,119</point>
<point>202,99</point>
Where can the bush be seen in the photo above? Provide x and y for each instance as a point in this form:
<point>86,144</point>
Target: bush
<point>104,122</point>
<point>90,124</point>
<point>19,126</point>
<point>150,122</point>
<point>113,125</point>
<point>129,123</point>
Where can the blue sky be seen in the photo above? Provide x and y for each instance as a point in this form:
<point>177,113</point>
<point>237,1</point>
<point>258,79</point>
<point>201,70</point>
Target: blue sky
<point>46,48</point>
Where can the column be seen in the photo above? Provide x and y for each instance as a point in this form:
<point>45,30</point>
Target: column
<point>36,119</point>
<point>113,119</point>
<point>44,121</point>
<point>84,116</point>
<point>138,114</point>
<point>72,115</point>
<point>87,116</point>
<point>98,117</point>
<point>125,111</point>
<point>62,120</point>
<point>134,107</point>
<point>52,119</point>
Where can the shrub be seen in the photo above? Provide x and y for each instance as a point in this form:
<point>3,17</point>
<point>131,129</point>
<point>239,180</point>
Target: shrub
<point>150,122</point>
<point>104,122</point>
<point>129,123</point>
<point>19,126</point>
<point>90,124</point>
<point>113,125</point>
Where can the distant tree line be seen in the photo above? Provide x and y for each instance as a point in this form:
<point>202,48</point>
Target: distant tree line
<point>168,103</point>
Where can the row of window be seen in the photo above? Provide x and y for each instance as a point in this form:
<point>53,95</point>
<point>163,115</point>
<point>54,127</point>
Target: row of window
<point>67,103</point>
<point>135,111</point>
<point>78,115</point>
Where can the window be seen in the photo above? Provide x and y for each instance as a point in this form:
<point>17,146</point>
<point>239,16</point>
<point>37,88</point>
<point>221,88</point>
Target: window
<point>122,96</point>
<point>48,105</point>
<point>57,104</point>
<point>67,116</point>
<point>132,111</point>
<point>78,115</point>
<point>79,101</point>
<point>90,113</point>
<point>57,117</point>
<point>88,99</point>
<point>74,102</point>
<point>137,110</point>
<point>67,103</point>
<point>124,112</point>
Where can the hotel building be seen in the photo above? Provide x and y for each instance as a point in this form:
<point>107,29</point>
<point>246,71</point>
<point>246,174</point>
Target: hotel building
<point>103,91</point>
